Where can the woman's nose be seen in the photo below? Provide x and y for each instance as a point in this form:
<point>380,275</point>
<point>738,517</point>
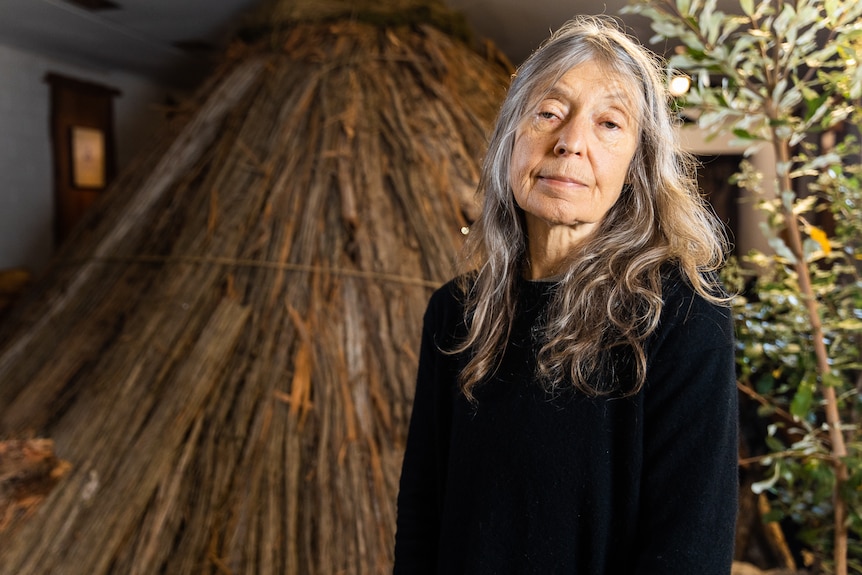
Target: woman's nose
<point>569,140</point>
<point>561,148</point>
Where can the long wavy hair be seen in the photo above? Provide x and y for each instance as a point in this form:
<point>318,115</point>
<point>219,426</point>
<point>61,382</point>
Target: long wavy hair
<point>609,298</point>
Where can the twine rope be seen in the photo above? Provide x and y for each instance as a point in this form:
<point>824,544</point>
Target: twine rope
<point>243,262</point>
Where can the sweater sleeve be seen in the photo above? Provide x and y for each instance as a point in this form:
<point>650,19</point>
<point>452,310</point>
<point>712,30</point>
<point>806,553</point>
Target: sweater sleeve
<point>689,487</point>
<point>423,469</point>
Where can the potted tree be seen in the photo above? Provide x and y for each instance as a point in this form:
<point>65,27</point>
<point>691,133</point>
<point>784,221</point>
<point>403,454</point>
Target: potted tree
<point>787,76</point>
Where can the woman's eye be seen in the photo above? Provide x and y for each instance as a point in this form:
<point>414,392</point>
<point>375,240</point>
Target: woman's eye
<point>614,124</point>
<point>547,115</point>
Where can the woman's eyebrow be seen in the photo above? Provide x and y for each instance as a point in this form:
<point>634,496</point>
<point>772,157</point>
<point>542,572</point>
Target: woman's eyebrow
<point>556,92</point>
<point>622,104</point>
<point>620,96</point>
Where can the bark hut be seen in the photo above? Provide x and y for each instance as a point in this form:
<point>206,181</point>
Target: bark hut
<point>223,354</point>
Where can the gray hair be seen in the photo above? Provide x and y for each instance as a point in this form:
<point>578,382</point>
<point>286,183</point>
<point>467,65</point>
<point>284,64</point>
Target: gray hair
<point>659,218</point>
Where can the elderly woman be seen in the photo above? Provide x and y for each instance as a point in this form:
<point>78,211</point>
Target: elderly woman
<point>575,409</point>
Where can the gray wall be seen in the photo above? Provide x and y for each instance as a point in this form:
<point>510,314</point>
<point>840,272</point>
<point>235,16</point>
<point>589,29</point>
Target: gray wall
<point>26,186</point>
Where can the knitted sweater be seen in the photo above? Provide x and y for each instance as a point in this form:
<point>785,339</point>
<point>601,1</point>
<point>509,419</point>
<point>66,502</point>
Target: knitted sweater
<point>528,483</point>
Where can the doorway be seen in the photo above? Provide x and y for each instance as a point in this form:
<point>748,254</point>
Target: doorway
<point>713,178</point>
<point>82,140</point>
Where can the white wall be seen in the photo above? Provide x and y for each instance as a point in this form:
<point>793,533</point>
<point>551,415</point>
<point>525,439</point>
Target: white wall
<point>26,184</point>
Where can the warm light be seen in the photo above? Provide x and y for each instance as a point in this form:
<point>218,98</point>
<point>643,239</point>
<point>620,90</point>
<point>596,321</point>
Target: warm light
<point>88,157</point>
<point>679,85</point>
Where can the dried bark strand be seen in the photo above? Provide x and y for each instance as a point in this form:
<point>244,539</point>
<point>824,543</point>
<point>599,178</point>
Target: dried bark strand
<point>229,356</point>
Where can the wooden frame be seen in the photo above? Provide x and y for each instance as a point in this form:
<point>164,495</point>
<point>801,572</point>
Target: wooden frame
<point>87,150</point>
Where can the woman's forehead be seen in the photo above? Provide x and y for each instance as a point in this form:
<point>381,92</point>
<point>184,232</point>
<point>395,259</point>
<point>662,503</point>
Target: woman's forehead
<point>617,85</point>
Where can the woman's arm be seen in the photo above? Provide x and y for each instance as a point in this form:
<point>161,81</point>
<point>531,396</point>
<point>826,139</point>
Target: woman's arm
<point>690,479</point>
<point>423,470</point>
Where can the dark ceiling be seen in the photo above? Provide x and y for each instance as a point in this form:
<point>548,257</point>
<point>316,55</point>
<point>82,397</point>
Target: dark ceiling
<point>168,39</point>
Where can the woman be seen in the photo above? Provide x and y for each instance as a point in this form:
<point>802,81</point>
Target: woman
<point>575,409</point>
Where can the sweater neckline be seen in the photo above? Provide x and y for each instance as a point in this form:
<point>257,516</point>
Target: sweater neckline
<point>555,279</point>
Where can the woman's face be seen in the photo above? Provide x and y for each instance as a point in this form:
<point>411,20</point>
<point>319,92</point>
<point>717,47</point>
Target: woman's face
<point>572,152</point>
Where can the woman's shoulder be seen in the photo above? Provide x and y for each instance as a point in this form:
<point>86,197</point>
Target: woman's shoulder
<point>691,315</point>
<point>445,310</point>
<point>451,294</point>
<point>677,287</point>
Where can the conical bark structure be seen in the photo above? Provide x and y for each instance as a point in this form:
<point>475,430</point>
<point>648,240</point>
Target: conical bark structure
<point>224,353</point>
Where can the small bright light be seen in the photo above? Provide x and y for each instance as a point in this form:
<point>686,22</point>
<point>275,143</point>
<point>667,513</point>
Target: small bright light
<point>679,85</point>
<point>465,230</point>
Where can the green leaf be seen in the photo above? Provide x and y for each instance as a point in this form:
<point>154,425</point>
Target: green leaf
<point>743,134</point>
<point>805,205</point>
<point>787,198</point>
<point>811,250</point>
<point>759,487</point>
<point>777,244</point>
<point>765,384</point>
<point>849,324</point>
<point>782,24</point>
<point>773,515</point>
<point>684,6</point>
<point>831,379</point>
<point>801,404</point>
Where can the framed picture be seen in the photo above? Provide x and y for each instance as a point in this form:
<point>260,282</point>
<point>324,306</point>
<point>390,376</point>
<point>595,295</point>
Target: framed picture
<point>88,157</point>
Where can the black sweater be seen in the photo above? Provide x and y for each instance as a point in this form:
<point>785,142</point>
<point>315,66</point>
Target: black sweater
<point>525,483</point>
